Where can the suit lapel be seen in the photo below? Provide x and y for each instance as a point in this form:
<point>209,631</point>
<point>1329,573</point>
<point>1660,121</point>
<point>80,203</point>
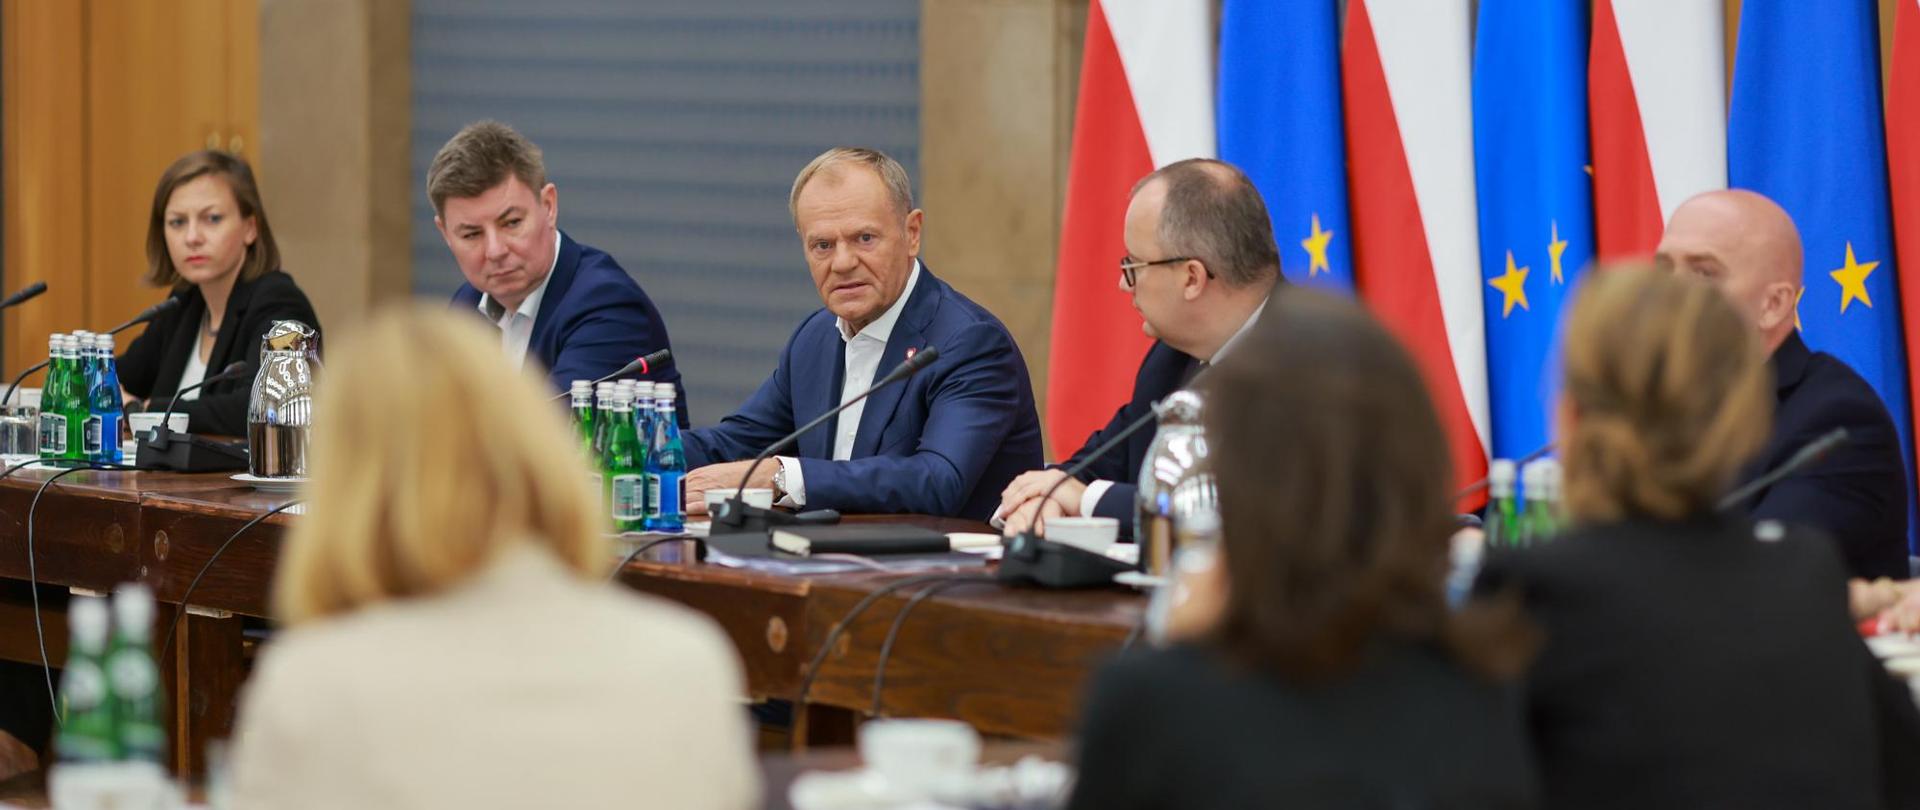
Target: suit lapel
<point>817,370</point>
<point>542,341</point>
<point>230,326</point>
<point>909,334</point>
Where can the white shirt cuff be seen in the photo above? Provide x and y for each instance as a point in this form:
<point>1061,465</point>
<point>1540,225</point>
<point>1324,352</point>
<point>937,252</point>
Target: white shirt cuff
<point>796,483</point>
<point>1091,498</point>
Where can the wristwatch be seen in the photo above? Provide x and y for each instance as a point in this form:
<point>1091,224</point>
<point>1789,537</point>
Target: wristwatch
<point>779,480</point>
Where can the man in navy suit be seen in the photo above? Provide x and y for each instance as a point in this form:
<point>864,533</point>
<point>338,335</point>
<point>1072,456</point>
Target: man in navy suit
<point>568,305</point>
<point>942,443</point>
<point>1200,264</point>
<point>1747,244</point>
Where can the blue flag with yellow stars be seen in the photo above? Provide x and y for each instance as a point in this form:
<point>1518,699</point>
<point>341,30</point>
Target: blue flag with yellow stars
<point>1805,130</point>
<point>1279,121</point>
<point>1535,199</point>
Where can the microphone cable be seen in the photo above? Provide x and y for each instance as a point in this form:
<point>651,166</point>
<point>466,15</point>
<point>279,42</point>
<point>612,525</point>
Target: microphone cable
<point>167,645</point>
<point>33,572</point>
<point>900,620</point>
<point>839,627</point>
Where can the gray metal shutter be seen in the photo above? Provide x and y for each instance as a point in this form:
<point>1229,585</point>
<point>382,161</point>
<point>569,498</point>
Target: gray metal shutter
<point>673,129</point>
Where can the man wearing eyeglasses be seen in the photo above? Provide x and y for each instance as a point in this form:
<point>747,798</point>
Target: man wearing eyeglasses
<point>1200,264</point>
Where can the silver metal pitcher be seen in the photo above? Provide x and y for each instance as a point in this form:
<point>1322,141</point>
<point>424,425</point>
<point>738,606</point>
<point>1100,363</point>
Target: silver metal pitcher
<point>280,410</point>
<point>1176,503</point>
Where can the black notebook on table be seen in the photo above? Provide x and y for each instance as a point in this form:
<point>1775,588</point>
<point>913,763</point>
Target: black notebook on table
<point>866,539</point>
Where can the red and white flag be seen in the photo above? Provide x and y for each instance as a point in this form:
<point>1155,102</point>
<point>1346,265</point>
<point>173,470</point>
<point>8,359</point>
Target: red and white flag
<point>1657,107</point>
<point>1146,100</point>
<point>1406,70</point>
<point>1903,175</point>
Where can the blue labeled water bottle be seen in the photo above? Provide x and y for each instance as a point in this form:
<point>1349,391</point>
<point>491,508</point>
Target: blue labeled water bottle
<point>666,465</point>
<point>103,425</point>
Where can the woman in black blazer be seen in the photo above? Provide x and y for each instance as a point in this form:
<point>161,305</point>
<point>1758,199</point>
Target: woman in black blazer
<point>208,240</point>
<point>1318,666</point>
<point>1692,658</point>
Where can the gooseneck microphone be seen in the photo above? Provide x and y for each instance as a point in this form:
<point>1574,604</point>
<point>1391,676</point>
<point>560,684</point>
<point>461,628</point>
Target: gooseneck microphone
<point>23,375</point>
<point>167,304</point>
<point>32,291</point>
<point>734,511</point>
<point>159,436</point>
<point>1808,454</point>
<point>643,364</point>
<point>1030,558</point>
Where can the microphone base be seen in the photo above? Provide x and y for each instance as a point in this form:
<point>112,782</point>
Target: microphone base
<point>1036,561</point>
<point>735,517</point>
<point>185,452</point>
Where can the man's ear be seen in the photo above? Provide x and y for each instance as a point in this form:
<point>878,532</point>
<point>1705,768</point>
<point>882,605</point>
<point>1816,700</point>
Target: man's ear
<point>1196,279</point>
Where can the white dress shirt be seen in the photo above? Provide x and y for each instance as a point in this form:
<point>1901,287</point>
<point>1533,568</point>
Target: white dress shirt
<point>863,351</point>
<point>516,327</point>
<point>1098,489</point>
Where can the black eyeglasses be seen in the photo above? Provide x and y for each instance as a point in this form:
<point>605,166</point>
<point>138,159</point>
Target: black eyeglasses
<point>1129,266</point>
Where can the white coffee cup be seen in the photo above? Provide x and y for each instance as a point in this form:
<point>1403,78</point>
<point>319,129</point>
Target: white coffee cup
<point>920,758</point>
<point>1095,534</point>
<point>761,498</point>
<point>143,422</point>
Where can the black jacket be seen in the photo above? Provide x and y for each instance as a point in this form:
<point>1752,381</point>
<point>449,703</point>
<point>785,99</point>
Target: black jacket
<point>1706,664</point>
<point>151,366</point>
<point>1857,494</point>
<point>1186,729</point>
<point>1163,371</point>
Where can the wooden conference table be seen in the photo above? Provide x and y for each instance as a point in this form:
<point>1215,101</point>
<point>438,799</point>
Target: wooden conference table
<point>1010,661</point>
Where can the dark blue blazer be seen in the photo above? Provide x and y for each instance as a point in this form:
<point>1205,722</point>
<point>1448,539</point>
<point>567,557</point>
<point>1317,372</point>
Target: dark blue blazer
<point>593,320</point>
<point>945,442</point>
<point>1858,493</point>
<point>1164,371</point>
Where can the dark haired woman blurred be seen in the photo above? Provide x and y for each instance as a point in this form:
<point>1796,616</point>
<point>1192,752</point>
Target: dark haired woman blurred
<point>208,242</point>
<point>1692,658</point>
<point>1320,666</point>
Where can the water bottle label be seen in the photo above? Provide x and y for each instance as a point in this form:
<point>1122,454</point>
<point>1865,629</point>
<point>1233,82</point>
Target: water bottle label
<point>653,494</point>
<point>53,434</point>
<point>664,499</point>
<point>90,432</point>
<point>629,497</point>
<point>132,674</point>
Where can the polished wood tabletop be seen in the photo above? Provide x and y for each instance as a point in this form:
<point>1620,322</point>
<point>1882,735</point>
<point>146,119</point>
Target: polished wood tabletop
<point>1009,660</point>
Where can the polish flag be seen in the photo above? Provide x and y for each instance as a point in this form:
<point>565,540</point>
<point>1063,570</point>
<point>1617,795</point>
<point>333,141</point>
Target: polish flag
<point>1903,174</point>
<point>1406,69</point>
<point>1146,100</point>
<point>1657,107</point>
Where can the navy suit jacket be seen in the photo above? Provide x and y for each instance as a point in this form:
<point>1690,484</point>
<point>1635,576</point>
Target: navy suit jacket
<point>1164,371</point>
<point>1858,493</point>
<point>945,442</point>
<point>593,319</point>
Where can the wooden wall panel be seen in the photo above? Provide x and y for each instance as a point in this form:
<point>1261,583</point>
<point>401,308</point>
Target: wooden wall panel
<point>43,67</point>
<point>157,84</point>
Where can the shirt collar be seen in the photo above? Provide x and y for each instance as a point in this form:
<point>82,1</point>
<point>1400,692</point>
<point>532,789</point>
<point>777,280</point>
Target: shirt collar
<point>882,327</point>
<point>531,306</point>
<point>1244,327</point>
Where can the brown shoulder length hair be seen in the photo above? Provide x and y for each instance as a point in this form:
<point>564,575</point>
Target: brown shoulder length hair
<point>1335,482</point>
<point>263,256</point>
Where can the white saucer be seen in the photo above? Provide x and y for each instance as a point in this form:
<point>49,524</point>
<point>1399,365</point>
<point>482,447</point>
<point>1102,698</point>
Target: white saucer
<point>267,484</point>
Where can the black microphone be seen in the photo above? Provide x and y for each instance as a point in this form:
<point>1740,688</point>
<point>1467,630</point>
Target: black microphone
<point>158,437</point>
<point>23,375</point>
<point>734,511</point>
<point>1028,557</point>
<point>643,364</point>
<point>166,304</point>
<point>1518,462</point>
<point>1809,453</point>
<point>32,291</point>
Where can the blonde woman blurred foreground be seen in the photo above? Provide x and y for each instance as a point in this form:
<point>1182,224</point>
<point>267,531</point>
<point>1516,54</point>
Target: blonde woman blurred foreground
<point>1693,658</point>
<point>449,642</point>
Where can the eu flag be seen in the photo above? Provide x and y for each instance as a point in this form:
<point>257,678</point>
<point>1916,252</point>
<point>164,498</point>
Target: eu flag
<point>1805,130</point>
<point>1536,200</point>
<point>1279,121</point>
